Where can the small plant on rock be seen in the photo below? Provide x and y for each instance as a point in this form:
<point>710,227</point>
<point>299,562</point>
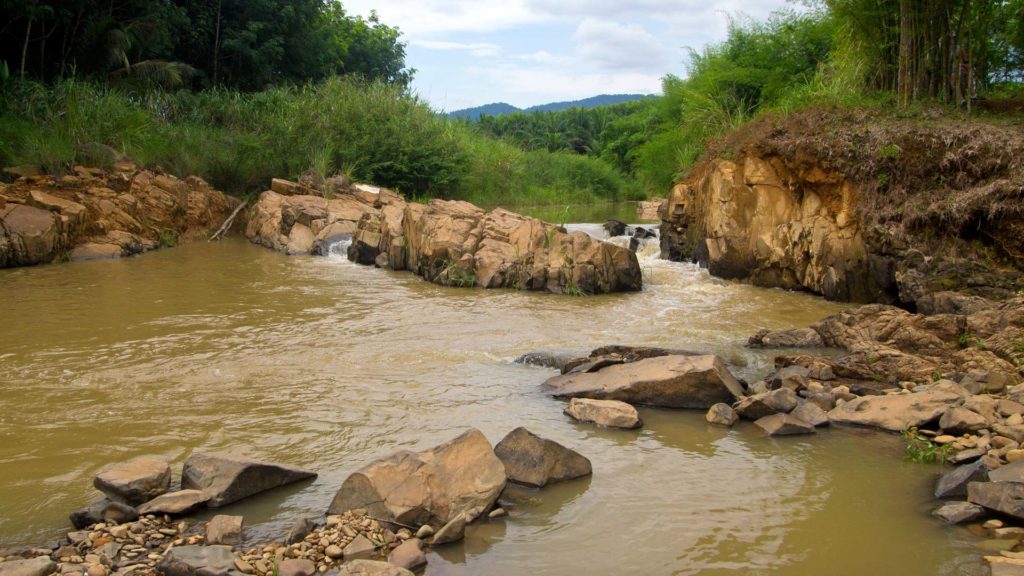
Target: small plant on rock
<point>921,449</point>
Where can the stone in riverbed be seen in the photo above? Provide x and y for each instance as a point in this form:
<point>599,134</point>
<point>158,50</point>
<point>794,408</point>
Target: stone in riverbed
<point>674,381</point>
<point>1003,497</point>
<point>408,554</point>
<point>611,413</point>
<point>429,487</point>
<point>783,425</point>
<point>360,547</point>
<point>535,461</point>
<point>959,420</point>
<point>453,531</point>
<point>180,502</point>
<point>1010,473</point>
<point>371,568</point>
<point>895,412</point>
<point>228,478</point>
<point>556,359</point>
<point>103,510</point>
<point>38,566</point>
<point>959,512</point>
<point>296,567</point>
<point>223,529</point>
<point>198,561</point>
<point>762,404</point>
<point>811,413</point>
<point>954,482</point>
<point>1002,566</point>
<point>136,481</point>
<point>299,530</point>
<point>721,414</point>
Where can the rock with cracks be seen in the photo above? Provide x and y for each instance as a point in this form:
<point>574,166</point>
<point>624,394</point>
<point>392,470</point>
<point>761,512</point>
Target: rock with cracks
<point>198,561</point>
<point>535,461</point>
<point>227,478</point>
<point>430,487</point>
<point>895,412</point>
<point>669,381</point>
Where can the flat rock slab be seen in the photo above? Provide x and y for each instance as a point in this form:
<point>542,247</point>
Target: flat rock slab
<point>180,502</point>
<point>372,568</point>
<point>811,413</point>
<point>959,512</point>
<point>136,481</point>
<point>1003,497</point>
<point>895,412</point>
<point>223,529</point>
<point>229,478</point>
<point>1010,473</point>
<point>670,381</point>
<point>610,413</point>
<point>429,487</point>
<point>535,461</point>
<point>39,566</point>
<point>198,560</point>
<point>360,547</point>
<point>784,425</point>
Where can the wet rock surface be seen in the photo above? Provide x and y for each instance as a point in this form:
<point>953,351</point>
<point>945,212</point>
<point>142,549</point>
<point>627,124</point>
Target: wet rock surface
<point>227,478</point>
<point>609,413</point>
<point>535,461</point>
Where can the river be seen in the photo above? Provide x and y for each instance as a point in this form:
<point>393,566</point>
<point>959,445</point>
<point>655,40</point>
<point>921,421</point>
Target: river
<point>327,365</point>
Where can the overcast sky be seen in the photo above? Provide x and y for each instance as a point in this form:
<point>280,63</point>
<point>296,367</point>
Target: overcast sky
<point>527,52</point>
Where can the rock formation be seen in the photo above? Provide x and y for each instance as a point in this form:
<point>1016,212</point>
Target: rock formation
<point>94,213</point>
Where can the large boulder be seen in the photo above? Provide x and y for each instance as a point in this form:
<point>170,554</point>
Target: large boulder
<point>669,381</point>
<point>954,482</point>
<point>227,478</point>
<point>28,236</point>
<point>198,561</point>
<point>535,461</point>
<point>136,481</point>
<point>430,487</point>
<point>610,413</point>
<point>895,412</point>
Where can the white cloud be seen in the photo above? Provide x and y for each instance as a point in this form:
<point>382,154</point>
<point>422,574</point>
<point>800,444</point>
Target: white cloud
<point>619,47</point>
<point>543,57</point>
<point>479,49</point>
<point>418,18</point>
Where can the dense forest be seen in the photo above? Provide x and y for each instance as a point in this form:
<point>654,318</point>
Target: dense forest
<point>239,92</point>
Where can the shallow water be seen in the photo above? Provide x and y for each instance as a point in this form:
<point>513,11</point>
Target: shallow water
<point>327,365</point>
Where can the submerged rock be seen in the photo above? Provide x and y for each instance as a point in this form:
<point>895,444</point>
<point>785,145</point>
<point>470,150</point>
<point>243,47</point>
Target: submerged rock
<point>611,413</point>
<point>103,510</point>
<point>783,425</point>
<point>227,478</point>
<point>668,381</point>
<point>959,512</point>
<point>535,461</point>
<point>429,487</point>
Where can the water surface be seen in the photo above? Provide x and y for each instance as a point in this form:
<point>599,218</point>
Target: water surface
<point>327,365</point>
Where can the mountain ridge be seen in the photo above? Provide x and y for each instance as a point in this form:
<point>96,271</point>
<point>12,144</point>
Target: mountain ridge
<point>502,108</point>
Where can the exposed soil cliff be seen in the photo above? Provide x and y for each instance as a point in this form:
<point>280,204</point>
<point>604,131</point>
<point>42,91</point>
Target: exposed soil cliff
<point>858,206</point>
<point>95,213</point>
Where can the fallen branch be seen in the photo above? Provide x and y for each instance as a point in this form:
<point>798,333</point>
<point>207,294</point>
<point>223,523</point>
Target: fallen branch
<point>227,223</point>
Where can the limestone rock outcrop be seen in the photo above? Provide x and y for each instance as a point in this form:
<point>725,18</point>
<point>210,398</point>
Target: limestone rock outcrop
<point>431,487</point>
<point>455,243</point>
<point>94,213</point>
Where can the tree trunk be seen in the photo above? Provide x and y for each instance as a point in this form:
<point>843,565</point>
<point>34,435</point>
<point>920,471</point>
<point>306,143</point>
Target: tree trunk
<point>24,47</point>
<point>216,44</point>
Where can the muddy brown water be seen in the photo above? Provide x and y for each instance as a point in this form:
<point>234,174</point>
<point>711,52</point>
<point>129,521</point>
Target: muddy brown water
<point>327,365</point>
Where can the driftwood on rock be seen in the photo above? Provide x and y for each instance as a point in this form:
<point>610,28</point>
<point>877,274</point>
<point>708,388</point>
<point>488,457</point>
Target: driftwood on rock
<point>227,223</point>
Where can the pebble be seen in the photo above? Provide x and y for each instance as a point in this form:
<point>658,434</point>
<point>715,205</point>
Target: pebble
<point>944,439</point>
<point>992,524</point>
<point>497,513</point>
<point>334,551</point>
<point>425,531</point>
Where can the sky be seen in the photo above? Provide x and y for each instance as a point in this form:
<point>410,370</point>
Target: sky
<point>527,52</point>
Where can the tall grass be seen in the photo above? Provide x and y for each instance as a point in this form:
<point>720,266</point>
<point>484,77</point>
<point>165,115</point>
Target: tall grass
<point>372,131</point>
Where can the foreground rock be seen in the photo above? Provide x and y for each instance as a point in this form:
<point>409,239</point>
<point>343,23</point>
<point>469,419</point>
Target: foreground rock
<point>39,566</point>
<point>95,213</point>
<point>959,512</point>
<point>721,414</point>
<point>457,244</point>
<point>1002,497</point>
<point>227,478</point>
<point>135,481</point>
<point>175,503</point>
<point>895,412</point>
<point>668,381</point>
<point>610,413</point>
<point>103,510</point>
<point>430,487</point>
<point>535,461</point>
<point>372,568</point>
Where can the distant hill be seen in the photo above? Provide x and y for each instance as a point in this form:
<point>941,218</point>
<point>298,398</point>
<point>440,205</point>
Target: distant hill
<point>499,108</point>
